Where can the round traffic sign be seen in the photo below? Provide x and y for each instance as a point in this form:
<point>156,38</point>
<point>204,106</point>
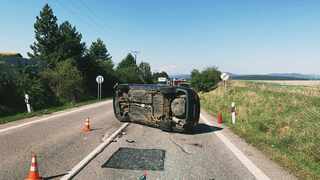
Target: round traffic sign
<point>99,79</point>
<point>224,76</point>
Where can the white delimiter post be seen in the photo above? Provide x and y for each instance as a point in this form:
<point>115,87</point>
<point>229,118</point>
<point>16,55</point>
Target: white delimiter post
<point>233,113</point>
<point>26,99</point>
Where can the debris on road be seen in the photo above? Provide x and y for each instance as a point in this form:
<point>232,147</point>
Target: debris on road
<point>144,176</point>
<point>180,147</point>
<point>197,145</point>
<point>130,141</point>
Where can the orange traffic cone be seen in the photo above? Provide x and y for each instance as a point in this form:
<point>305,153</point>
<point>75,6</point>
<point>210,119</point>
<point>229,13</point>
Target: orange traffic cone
<point>34,173</point>
<point>220,121</point>
<point>86,127</point>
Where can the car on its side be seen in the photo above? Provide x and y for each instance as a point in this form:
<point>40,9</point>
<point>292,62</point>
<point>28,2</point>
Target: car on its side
<point>158,105</point>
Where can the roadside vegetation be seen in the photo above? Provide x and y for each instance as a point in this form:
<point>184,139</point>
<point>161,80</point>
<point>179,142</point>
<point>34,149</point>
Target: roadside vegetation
<point>49,110</point>
<point>206,79</point>
<point>61,69</point>
<point>282,121</point>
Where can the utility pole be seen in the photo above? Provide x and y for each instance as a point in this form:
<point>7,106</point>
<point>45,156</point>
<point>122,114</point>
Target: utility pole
<point>135,52</point>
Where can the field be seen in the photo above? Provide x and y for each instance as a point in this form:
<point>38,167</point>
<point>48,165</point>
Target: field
<point>283,121</point>
<point>295,82</point>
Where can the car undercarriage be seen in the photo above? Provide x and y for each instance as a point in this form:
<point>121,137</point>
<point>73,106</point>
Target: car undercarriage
<point>165,107</point>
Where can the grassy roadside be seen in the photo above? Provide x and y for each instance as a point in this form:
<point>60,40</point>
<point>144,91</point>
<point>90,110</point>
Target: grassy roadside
<point>282,121</point>
<point>24,115</point>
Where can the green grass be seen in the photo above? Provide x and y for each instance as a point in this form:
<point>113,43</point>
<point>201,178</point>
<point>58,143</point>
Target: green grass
<point>20,116</point>
<point>281,121</point>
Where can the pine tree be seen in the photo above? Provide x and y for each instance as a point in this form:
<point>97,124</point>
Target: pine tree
<point>46,37</point>
<point>98,51</point>
<point>70,46</point>
<point>128,71</point>
<point>127,62</point>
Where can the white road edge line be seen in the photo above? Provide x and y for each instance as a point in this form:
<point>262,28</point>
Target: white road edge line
<point>55,116</point>
<point>76,169</point>
<point>255,171</point>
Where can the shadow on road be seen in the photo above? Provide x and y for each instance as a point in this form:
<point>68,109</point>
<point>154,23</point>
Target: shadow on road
<point>55,176</point>
<point>199,129</point>
<point>204,128</point>
<point>95,129</point>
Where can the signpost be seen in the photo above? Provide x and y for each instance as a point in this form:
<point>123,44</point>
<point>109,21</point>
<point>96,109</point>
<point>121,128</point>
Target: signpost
<point>99,80</point>
<point>26,100</point>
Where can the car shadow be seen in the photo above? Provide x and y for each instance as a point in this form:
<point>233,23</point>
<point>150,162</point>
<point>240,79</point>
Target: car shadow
<point>199,129</point>
<point>204,128</point>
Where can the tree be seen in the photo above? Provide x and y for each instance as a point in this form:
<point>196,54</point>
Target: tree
<point>127,62</point>
<point>65,81</point>
<point>145,71</point>
<point>156,75</point>
<point>70,45</point>
<point>11,101</point>
<point>128,71</point>
<point>206,79</point>
<point>46,37</point>
<point>98,51</point>
<point>96,62</point>
<point>39,95</point>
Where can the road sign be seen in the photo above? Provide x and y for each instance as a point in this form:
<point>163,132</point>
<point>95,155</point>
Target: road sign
<point>99,79</point>
<point>224,76</point>
<point>162,79</point>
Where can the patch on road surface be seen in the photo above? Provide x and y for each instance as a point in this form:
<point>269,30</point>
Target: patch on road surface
<point>137,159</point>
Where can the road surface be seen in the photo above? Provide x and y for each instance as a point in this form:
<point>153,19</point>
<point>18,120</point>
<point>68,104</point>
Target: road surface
<point>209,153</point>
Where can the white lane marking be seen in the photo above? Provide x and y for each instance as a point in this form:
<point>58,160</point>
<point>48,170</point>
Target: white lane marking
<point>255,171</point>
<point>55,116</point>
<point>76,169</point>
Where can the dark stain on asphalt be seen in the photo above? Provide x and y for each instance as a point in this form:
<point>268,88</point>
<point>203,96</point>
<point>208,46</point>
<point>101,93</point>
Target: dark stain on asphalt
<point>137,159</point>
<point>197,145</point>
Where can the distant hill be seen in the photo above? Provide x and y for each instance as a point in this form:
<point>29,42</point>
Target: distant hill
<point>10,54</point>
<point>276,76</point>
<point>265,77</point>
<point>296,75</point>
<point>181,76</point>
<point>17,60</point>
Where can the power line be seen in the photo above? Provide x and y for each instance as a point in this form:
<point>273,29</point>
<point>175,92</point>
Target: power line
<point>80,16</point>
<point>92,16</point>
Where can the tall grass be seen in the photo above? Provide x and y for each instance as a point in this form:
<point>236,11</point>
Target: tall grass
<point>282,121</point>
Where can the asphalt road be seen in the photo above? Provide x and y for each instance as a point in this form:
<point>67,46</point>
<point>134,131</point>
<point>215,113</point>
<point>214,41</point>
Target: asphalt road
<point>60,145</point>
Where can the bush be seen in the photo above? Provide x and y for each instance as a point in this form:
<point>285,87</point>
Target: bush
<point>65,81</point>
<point>205,80</point>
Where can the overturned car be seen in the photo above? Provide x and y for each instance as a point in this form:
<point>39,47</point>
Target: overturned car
<point>162,106</point>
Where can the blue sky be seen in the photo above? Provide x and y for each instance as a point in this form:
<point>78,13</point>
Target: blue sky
<point>238,36</point>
